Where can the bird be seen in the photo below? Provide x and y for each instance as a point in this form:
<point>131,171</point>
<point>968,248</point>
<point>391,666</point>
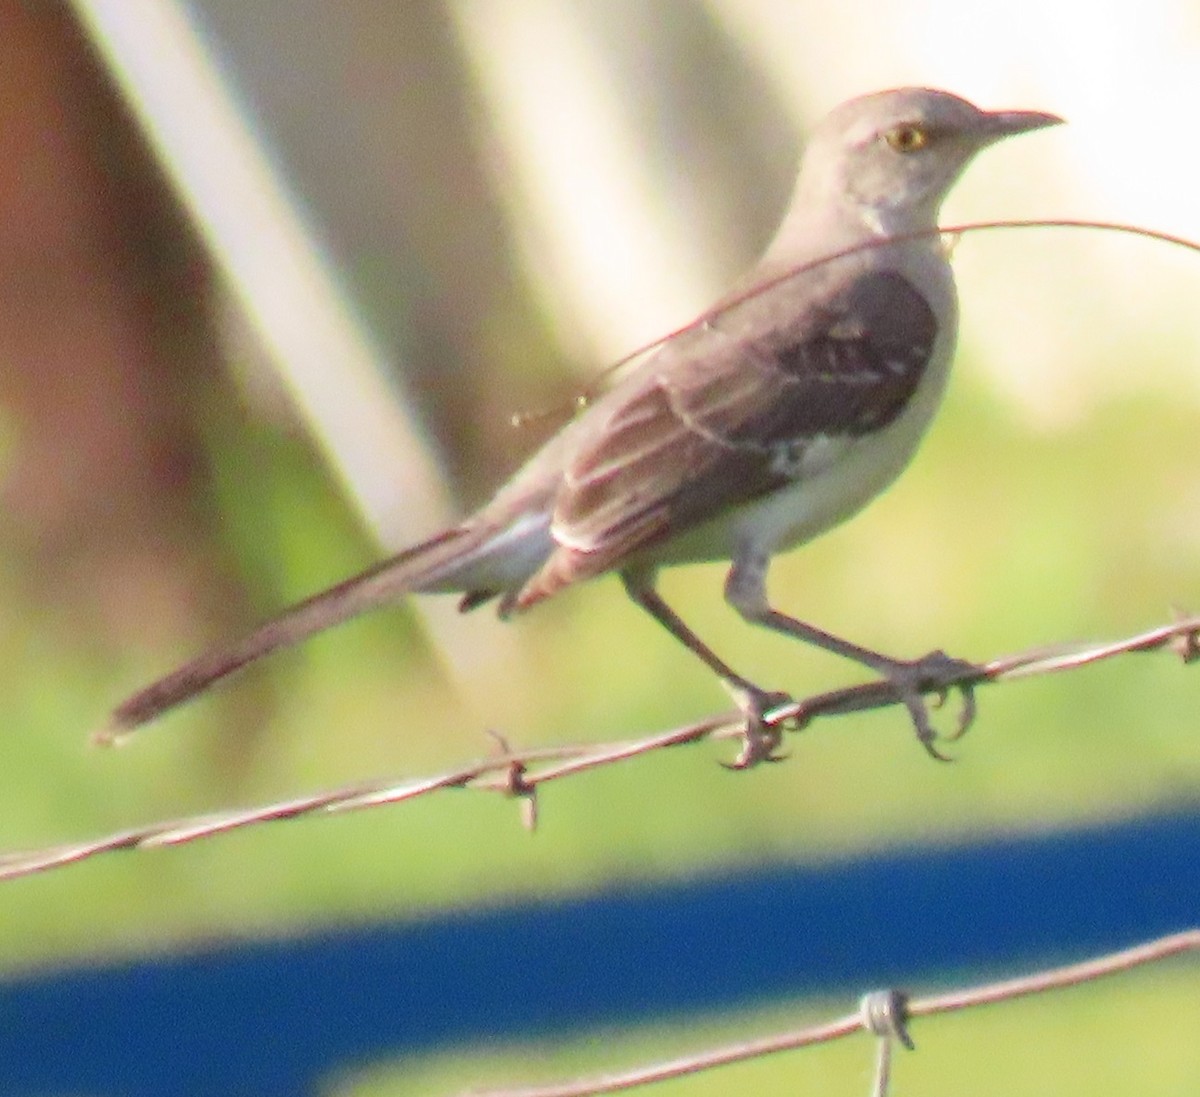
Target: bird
<point>791,403</point>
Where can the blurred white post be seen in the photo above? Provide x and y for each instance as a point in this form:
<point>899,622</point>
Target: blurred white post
<point>272,260</point>
<point>274,264</point>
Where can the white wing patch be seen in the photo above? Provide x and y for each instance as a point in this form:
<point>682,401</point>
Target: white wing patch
<point>799,460</point>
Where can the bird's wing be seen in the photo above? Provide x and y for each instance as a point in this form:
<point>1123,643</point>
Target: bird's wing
<point>730,415</point>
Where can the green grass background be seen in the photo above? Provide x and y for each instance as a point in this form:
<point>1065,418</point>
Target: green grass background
<point>1000,537</point>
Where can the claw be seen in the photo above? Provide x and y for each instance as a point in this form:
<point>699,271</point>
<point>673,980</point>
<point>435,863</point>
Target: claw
<point>926,733</point>
<point>756,748</point>
<point>936,673</point>
<point>760,740</point>
<point>966,715</point>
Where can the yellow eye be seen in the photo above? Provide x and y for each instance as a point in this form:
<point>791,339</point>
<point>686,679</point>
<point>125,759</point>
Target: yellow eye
<point>907,138</point>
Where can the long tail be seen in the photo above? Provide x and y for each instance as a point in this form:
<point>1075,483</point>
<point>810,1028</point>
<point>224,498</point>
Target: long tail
<point>409,571</point>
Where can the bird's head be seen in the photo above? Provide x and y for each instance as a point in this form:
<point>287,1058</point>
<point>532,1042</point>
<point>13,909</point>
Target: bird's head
<point>891,157</point>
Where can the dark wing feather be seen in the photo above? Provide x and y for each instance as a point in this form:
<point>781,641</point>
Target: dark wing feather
<point>730,413</point>
<point>848,368</point>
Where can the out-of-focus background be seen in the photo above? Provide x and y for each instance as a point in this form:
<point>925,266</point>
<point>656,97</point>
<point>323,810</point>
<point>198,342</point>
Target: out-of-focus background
<point>274,279</point>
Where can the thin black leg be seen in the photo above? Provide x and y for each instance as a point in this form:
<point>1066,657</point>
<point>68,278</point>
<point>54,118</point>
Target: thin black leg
<point>762,739</point>
<point>937,672</point>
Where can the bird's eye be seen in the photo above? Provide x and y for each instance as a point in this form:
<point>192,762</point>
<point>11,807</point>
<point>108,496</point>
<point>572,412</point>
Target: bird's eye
<point>907,138</point>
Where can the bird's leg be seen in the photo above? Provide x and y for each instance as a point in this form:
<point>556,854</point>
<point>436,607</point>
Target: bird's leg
<point>937,672</point>
<point>762,739</point>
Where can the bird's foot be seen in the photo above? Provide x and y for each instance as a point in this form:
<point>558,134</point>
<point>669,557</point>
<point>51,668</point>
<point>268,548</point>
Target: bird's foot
<point>761,738</point>
<point>937,673</point>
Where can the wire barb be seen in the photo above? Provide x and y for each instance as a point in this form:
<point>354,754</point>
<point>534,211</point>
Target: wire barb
<point>514,782</point>
<point>885,1014</point>
<point>537,766</point>
<point>1187,644</point>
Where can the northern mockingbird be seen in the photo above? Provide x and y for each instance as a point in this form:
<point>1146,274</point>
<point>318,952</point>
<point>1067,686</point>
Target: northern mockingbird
<point>786,408</point>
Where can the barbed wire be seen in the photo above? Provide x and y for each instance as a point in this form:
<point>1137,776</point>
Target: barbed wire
<point>885,1014</point>
<point>519,773</point>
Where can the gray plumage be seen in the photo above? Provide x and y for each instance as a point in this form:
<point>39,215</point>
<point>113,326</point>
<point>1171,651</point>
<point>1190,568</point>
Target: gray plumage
<point>785,409</point>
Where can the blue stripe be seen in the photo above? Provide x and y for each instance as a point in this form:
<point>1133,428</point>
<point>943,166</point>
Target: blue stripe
<point>273,1018</point>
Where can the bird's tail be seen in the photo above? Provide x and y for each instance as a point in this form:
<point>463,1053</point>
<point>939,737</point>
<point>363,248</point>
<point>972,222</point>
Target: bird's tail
<point>420,567</point>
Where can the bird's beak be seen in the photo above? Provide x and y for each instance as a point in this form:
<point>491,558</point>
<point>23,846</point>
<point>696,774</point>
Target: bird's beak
<point>1006,123</point>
